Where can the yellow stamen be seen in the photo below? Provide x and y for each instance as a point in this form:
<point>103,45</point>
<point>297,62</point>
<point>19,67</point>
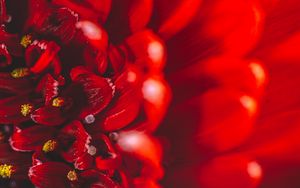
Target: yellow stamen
<point>26,109</point>
<point>26,40</point>
<point>58,102</point>
<point>20,72</point>
<point>72,176</point>
<point>49,146</point>
<point>6,171</point>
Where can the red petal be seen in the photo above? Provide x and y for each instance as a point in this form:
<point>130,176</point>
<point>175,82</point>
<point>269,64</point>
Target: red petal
<point>39,157</point>
<point>46,58</point>
<point>50,174</point>
<point>31,138</point>
<point>76,131</point>
<point>230,171</point>
<point>237,26</point>
<point>122,111</point>
<point>126,104</point>
<point>85,161</point>
<point>48,86</point>
<point>12,42</point>
<point>174,19</point>
<point>86,10</point>
<point>15,86</point>
<point>282,141</point>
<point>96,179</point>
<point>6,58</point>
<point>117,58</point>
<point>20,161</point>
<point>98,93</point>
<point>49,115</point>
<point>3,15</point>
<point>221,130</point>
<point>10,110</point>
<point>95,60</point>
<point>148,50</point>
<point>107,163</point>
<point>128,16</point>
<point>139,14</point>
<point>102,6</point>
<point>94,33</point>
<point>144,148</point>
<point>56,23</point>
<point>131,77</point>
<point>157,96</point>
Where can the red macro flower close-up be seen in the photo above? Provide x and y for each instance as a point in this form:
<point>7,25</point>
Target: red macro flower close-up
<point>149,93</point>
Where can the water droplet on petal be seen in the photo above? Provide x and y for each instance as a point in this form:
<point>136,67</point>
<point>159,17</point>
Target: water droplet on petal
<point>89,119</point>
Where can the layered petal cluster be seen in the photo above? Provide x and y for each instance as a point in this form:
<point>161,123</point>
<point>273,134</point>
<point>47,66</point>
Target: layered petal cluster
<point>81,92</point>
<point>234,118</point>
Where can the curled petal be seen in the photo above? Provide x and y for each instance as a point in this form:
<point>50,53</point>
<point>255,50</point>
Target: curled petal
<point>145,149</point>
<point>76,132</point>
<point>148,50</point>
<point>122,111</point>
<point>126,106</point>
<point>54,23</point>
<point>94,33</point>
<point>49,115</point>
<point>32,138</point>
<point>98,92</point>
<point>86,10</point>
<point>48,86</point>
<point>51,50</point>
<point>157,96</point>
<point>50,174</point>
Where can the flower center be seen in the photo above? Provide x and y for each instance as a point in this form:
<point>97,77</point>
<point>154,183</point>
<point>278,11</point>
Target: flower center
<point>26,40</point>
<point>6,171</point>
<point>58,102</point>
<point>49,146</point>
<point>26,109</point>
<point>20,72</point>
<point>72,176</point>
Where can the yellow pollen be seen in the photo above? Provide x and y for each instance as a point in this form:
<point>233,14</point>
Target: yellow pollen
<point>26,109</point>
<point>26,40</point>
<point>58,102</point>
<point>6,171</point>
<point>49,146</point>
<point>20,72</point>
<point>72,176</point>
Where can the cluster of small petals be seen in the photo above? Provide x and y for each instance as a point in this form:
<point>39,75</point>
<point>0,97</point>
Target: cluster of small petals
<point>65,88</point>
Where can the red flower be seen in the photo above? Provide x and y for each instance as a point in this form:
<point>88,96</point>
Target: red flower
<point>82,91</point>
